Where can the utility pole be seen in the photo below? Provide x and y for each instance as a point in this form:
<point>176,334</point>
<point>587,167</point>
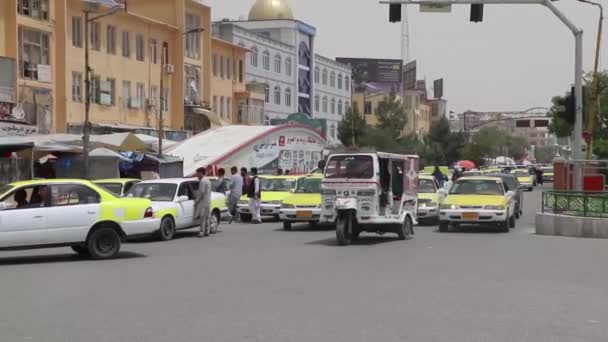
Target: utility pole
<point>161,101</point>
<point>86,127</point>
<point>578,63</point>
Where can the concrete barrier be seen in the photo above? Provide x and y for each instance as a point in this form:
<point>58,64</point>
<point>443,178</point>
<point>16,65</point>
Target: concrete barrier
<point>572,226</point>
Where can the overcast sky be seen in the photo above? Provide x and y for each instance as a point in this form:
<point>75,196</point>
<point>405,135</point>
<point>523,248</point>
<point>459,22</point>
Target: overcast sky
<point>519,57</point>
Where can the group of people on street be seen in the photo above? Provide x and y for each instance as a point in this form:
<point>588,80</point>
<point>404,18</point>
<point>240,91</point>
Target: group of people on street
<point>245,182</point>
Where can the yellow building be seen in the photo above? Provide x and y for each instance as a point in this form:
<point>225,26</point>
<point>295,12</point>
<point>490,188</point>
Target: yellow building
<point>231,98</point>
<point>127,50</point>
<point>367,105</point>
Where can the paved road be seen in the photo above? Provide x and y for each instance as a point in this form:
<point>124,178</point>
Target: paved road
<point>259,283</point>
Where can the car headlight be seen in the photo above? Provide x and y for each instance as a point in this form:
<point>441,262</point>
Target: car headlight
<point>494,207</point>
<point>427,204</point>
<point>449,206</point>
<point>287,206</point>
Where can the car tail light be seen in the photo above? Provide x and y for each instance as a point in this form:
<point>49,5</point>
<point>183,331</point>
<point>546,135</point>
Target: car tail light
<point>149,213</point>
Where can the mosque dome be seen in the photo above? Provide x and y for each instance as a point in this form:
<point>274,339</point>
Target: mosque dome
<point>270,10</point>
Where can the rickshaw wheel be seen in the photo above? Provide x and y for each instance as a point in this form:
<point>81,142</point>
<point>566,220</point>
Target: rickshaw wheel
<point>344,226</point>
<point>405,230</point>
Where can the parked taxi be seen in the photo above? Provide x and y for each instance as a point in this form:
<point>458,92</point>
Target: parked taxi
<point>478,200</point>
<point>524,178</point>
<point>71,213</point>
<point>274,190</point>
<point>304,204</point>
<point>117,186</point>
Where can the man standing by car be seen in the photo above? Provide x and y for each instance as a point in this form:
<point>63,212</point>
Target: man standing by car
<point>236,191</point>
<point>222,182</point>
<point>202,204</point>
<point>255,194</point>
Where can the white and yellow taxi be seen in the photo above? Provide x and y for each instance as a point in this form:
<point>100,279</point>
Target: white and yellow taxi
<point>429,198</point>
<point>524,178</point>
<point>478,200</point>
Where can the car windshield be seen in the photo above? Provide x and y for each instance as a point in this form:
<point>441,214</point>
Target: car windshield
<point>477,187</point>
<point>277,184</point>
<point>309,186</point>
<point>115,188</point>
<point>161,192</point>
<point>360,167</point>
<point>426,186</point>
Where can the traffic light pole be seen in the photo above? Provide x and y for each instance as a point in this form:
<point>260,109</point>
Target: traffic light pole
<point>577,146</point>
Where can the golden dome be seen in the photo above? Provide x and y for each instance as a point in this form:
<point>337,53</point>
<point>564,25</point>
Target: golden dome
<point>270,10</point>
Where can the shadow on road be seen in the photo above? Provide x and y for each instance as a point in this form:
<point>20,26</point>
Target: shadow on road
<point>471,230</point>
<point>363,240</point>
<point>56,258</point>
<point>306,228</point>
<point>185,234</point>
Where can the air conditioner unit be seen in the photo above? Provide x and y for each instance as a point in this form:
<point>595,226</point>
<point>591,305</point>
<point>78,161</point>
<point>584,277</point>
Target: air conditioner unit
<point>169,68</point>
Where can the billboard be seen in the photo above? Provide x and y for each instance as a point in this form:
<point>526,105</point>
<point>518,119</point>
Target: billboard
<point>365,70</point>
<point>438,88</point>
<point>409,75</point>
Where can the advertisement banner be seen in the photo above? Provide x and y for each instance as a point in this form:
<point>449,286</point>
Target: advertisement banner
<point>366,70</point>
<point>438,88</point>
<point>409,75</point>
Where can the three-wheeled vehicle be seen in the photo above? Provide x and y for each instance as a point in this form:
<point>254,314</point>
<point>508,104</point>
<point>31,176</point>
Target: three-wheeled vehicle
<point>370,192</point>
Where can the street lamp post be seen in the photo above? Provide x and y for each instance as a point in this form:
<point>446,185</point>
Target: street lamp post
<point>578,63</point>
<point>91,6</point>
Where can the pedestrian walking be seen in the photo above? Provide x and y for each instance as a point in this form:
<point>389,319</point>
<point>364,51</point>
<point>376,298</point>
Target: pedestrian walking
<point>255,194</point>
<point>202,204</point>
<point>439,177</point>
<point>236,191</point>
<point>246,180</point>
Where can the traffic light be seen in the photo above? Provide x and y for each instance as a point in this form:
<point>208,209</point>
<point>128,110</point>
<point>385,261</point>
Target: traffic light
<point>477,13</point>
<point>394,13</point>
<point>567,106</point>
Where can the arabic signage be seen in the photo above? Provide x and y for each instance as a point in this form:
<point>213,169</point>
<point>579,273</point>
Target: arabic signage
<point>297,150</point>
<point>8,129</point>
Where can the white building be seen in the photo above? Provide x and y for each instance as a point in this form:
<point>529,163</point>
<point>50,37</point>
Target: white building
<point>283,58</point>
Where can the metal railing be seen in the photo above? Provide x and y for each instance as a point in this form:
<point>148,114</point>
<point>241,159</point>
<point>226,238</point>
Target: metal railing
<point>573,203</point>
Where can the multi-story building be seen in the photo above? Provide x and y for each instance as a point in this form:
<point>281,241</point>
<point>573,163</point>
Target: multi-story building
<point>130,51</point>
<point>282,57</point>
<point>367,105</point>
<point>438,109</point>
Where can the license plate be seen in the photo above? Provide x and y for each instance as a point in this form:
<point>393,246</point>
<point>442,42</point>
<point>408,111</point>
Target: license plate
<point>470,216</point>
<point>345,203</point>
<point>304,214</point>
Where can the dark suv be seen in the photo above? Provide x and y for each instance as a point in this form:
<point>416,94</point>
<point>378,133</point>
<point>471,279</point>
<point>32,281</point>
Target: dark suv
<point>512,184</point>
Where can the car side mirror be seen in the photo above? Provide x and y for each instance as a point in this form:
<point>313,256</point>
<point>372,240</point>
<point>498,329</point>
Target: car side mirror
<point>510,193</point>
<point>183,199</point>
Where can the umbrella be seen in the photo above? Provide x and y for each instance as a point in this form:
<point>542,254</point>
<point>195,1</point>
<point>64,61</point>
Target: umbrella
<point>466,164</point>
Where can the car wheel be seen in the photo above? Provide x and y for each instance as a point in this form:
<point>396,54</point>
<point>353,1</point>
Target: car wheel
<point>406,229</point>
<point>245,217</point>
<point>344,226</point>
<point>286,225</point>
<point>214,222</point>
<point>103,243</point>
<point>504,226</point>
<point>512,222</point>
<point>443,226</point>
<point>81,250</point>
<point>167,229</point>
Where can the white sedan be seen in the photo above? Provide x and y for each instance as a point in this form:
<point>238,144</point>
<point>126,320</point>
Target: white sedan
<point>173,203</point>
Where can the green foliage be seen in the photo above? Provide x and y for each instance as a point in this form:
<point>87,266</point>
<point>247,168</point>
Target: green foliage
<point>443,147</point>
<point>544,155</point>
<point>351,118</point>
<point>391,116</point>
<point>492,142</point>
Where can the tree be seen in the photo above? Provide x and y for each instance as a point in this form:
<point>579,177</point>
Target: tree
<point>544,155</point>
<point>391,116</point>
<point>443,147</point>
<point>351,118</point>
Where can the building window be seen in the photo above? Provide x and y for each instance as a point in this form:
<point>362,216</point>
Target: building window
<point>139,47</point>
<point>215,107</point>
<point>126,93</point>
<point>95,36</point>
<point>76,86</point>
<point>110,91</point>
<point>141,95</point>
<point>339,81</point>
<point>229,108</point>
<point>333,106</point>
<point>332,131</point>
<point>254,57</point>
<point>367,108</point>
<point>126,44</point>
<point>34,52</point>
<point>266,93</point>
<point>165,54</point>
<point>214,67</point>
<point>324,104</point>
<point>316,103</point>
<point>153,96</point>
<point>317,75</point>
<point>288,66</point>
<point>165,100</point>
<point>288,97</point>
<point>240,71</point>
<point>192,83</point>
<point>347,83</point>
<point>36,9</point>
<point>222,107</point>
<point>332,79</point>
<point>324,80</point>
<point>193,38</point>
<point>277,63</point>
<point>77,32</point>
<point>111,39</point>
<point>228,71</point>
<point>153,50</point>
<point>277,95</point>
<point>266,60</point>
<point>95,93</point>
<point>346,106</point>
<point>222,67</point>
<point>339,107</point>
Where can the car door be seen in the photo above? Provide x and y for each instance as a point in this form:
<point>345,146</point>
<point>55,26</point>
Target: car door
<point>23,224</point>
<point>73,210</point>
<point>185,209</point>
